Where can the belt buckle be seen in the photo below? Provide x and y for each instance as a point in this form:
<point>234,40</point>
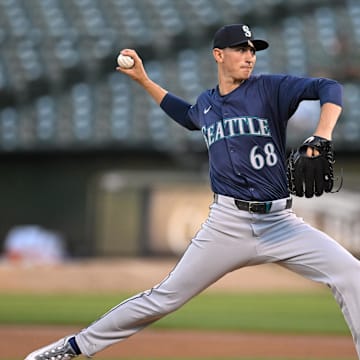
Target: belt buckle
<point>259,207</point>
<point>254,207</point>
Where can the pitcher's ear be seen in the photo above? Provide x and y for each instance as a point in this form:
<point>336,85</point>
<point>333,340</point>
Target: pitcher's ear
<point>218,54</point>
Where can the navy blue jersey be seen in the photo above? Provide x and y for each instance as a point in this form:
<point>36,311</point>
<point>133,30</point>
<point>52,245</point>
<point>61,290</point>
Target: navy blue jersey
<point>245,131</point>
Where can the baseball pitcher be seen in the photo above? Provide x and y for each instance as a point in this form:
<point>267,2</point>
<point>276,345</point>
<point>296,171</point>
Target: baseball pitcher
<point>243,122</point>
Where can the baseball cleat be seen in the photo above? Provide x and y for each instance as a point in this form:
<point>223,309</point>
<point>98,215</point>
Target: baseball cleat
<point>59,350</point>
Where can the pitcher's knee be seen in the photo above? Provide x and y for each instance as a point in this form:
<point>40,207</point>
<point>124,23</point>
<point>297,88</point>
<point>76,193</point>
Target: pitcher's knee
<point>348,276</point>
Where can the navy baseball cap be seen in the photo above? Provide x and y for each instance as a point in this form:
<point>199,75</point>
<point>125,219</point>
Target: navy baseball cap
<point>237,34</point>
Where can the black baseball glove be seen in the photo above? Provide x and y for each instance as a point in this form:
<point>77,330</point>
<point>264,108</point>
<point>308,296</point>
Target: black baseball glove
<point>311,175</point>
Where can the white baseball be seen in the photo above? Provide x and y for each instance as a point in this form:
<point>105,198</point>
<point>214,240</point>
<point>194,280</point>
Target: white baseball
<point>125,62</point>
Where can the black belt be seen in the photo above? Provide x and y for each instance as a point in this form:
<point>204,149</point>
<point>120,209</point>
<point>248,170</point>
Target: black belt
<point>259,207</point>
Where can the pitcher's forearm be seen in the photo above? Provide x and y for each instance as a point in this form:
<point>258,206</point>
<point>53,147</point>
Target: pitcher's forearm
<point>327,121</point>
<point>153,89</point>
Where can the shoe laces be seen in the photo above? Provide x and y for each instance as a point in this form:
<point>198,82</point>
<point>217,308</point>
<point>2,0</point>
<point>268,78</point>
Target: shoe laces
<point>62,352</point>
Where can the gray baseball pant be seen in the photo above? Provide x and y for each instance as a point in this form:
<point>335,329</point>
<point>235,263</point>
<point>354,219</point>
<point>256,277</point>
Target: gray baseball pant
<point>231,239</point>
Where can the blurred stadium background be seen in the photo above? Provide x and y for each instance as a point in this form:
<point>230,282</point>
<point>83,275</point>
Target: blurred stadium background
<point>86,154</point>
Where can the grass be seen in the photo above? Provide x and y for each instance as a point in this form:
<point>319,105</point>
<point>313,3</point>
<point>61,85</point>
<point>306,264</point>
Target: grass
<point>277,312</point>
<point>298,313</point>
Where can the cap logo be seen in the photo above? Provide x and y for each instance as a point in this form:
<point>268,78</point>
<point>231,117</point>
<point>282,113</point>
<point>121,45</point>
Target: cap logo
<point>246,31</point>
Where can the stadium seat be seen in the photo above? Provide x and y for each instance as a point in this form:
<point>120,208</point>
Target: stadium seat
<point>9,128</point>
<point>58,57</point>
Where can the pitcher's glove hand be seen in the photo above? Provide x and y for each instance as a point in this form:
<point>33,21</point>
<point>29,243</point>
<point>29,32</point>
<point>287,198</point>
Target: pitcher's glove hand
<point>314,174</point>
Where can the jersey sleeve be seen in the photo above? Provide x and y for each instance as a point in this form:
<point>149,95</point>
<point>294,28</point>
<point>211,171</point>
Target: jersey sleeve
<point>292,90</point>
<point>178,110</point>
